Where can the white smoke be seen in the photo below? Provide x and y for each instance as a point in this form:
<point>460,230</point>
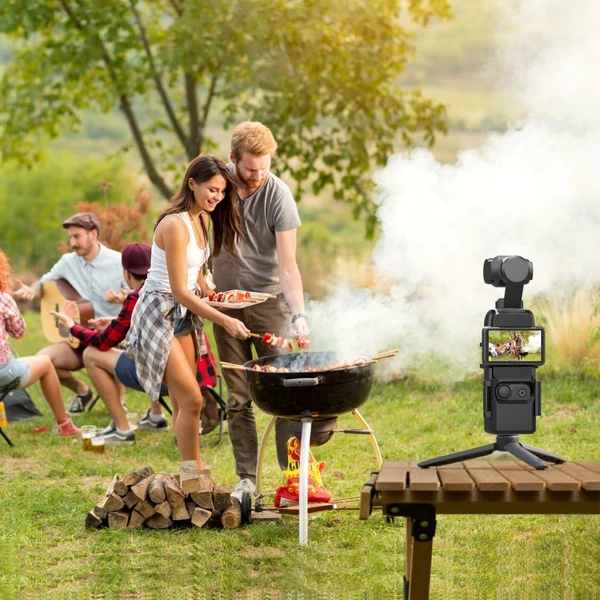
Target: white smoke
<point>533,191</point>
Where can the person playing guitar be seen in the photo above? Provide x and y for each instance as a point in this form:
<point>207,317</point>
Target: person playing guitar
<point>94,271</point>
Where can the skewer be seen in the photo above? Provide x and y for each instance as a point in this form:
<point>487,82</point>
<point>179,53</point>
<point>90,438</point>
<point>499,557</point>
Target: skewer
<point>256,335</point>
<point>387,354</point>
<point>226,365</point>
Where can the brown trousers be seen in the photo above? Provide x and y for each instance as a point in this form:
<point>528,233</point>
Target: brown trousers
<point>272,316</point>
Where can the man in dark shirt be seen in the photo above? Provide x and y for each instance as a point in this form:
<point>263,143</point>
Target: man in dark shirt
<point>104,361</point>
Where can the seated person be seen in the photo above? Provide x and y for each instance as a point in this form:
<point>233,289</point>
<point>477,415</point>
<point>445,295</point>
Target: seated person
<point>92,270</point>
<point>101,356</point>
<point>19,373</point>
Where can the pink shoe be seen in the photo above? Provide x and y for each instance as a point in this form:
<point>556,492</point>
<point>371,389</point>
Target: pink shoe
<point>66,428</point>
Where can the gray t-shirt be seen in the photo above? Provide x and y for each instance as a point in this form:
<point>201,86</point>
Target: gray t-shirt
<point>255,266</point>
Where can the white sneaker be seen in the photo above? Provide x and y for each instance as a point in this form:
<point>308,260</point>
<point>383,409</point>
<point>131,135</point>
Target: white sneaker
<point>245,485</point>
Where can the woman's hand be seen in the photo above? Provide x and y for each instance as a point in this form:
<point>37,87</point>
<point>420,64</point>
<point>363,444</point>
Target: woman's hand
<point>23,292</point>
<point>236,328</point>
<point>66,314</point>
<point>100,324</point>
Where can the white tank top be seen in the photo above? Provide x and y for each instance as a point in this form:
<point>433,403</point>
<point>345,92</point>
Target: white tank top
<point>158,276</point>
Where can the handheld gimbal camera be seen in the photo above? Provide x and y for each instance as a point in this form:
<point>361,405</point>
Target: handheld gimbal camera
<point>512,349</point>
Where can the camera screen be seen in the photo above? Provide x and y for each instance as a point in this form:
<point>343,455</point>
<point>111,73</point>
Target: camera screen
<point>516,346</point>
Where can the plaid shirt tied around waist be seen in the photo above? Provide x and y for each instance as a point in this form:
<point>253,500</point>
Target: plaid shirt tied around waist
<point>150,337</point>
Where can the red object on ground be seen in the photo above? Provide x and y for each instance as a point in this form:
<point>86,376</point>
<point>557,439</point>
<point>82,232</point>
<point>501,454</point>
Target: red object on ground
<point>40,429</point>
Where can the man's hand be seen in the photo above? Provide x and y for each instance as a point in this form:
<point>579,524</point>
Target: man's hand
<point>114,297</point>
<point>66,314</point>
<point>300,327</point>
<point>100,324</point>
<point>23,292</point>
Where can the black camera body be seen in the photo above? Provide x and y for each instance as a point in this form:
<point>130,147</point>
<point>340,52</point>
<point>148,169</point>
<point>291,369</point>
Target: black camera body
<point>512,397</point>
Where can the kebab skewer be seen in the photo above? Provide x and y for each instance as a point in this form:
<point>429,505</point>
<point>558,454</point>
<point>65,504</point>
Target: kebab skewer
<point>270,339</point>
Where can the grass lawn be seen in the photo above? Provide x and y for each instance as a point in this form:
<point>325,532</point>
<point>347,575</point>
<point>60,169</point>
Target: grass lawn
<point>49,484</point>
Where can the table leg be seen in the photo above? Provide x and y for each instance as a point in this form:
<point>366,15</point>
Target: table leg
<point>420,570</point>
<point>409,543</point>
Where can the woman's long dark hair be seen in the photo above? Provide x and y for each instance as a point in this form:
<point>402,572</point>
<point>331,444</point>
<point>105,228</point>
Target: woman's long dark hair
<point>226,217</point>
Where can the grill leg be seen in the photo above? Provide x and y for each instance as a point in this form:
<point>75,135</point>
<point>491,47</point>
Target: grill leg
<point>304,457</point>
<point>261,455</point>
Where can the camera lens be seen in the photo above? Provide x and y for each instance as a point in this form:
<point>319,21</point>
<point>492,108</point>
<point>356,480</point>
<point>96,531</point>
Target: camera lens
<point>522,393</point>
<point>503,391</point>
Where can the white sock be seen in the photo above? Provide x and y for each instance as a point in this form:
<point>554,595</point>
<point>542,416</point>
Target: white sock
<point>156,418</point>
<point>126,432</point>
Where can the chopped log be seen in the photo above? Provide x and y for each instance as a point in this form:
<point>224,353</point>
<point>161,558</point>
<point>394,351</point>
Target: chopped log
<point>92,520</point>
<point>141,489</point>
<point>203,497</point>
<point>118,519</point>
<point>109,504</point>
<point>136,476</point>
<point>232,516</point>
<point>191,507</point>
<point>215,519</point>
<point>156,491</point>
<point>158,522</point>
<point>130,499</point>
<point>221,498</point>
<point>136,520</point>
<point>120,488</point>
<point>188,476</point>
<point>200,516</point>
<point>145,508</point>
<point>180,512</point>
<point>164,509</point>
<point>175,496</point>
<point>111,486</point>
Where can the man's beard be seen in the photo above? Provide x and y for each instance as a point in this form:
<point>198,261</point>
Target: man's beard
<point>248,183</point>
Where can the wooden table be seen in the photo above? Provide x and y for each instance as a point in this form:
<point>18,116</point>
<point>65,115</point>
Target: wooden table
<point>402,489</point>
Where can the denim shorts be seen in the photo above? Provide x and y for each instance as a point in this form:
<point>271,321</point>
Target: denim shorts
<point>184,326</point>
<point>126,373</point>
<point>12,370</point>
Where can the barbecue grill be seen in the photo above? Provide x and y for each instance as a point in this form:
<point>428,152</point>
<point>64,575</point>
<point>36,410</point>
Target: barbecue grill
<point>309,393</point>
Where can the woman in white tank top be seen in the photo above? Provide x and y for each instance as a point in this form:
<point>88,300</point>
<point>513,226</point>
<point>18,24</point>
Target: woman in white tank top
<point>166,335</point>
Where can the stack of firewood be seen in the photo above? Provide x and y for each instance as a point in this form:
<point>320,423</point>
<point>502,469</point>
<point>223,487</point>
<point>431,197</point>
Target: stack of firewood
<point>160,500</point>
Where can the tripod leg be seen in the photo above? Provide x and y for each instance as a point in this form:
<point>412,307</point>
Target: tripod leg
<point>458,456</point>
<point>544,454</point>
<point>516,449</point>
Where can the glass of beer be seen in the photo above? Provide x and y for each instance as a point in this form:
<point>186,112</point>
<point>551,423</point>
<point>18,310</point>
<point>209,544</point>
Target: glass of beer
<point>98,444</point>
<point>87,433</point>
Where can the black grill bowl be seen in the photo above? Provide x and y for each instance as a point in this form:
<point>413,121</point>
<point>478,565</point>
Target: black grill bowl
<point>320,394</point>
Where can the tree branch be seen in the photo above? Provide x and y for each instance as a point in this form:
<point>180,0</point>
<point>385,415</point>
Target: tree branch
<point>196,134</point>
<point>209,99</point>
<point>177,8</point>
<point>157,81</point>
<point>125,105</point>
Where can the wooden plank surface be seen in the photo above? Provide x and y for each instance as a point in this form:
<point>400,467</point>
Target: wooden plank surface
<point>590,480</point>
<point>424,480</point>
<point>520,479</point>
<point>486,478</point>
<point>392,476</point>
<point>592,465</point>
<point>455,479</point>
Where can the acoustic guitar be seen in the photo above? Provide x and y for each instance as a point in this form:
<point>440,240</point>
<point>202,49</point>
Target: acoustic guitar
<point>54,295</point>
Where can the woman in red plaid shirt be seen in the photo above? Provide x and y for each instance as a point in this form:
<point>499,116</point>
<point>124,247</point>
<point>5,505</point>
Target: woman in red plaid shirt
<point>19,373</point>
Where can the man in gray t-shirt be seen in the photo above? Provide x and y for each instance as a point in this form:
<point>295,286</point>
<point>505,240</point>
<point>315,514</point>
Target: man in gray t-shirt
<point>265,262</point>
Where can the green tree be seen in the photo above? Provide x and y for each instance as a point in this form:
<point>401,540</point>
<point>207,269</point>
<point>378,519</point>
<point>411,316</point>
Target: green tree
<point>322,74</point>
<point>33,203</point>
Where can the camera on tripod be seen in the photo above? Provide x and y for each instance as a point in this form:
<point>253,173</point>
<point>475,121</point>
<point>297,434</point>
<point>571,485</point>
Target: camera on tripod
<point>512,349</point>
